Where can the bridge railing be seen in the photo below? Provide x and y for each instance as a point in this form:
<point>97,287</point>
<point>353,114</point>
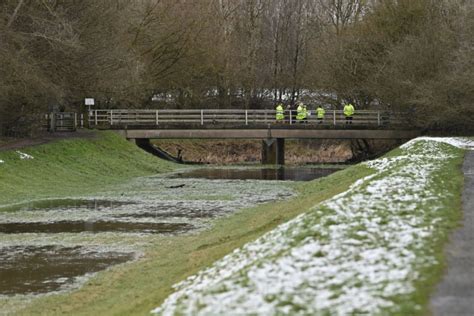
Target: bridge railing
<point>236,117</point>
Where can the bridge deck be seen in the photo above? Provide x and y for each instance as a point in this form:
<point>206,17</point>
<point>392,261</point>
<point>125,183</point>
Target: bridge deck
<point>245,124</point>
<point>268,133</point>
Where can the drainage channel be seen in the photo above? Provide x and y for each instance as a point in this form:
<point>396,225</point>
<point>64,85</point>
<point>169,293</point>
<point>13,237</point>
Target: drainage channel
<point>51,245</point>
<point>36,270</point>
<point>93,227</point>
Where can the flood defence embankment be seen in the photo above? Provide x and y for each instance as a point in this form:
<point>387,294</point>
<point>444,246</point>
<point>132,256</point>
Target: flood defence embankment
<point>380,227</point>
<point>375,249</point>
<point>72,167</point>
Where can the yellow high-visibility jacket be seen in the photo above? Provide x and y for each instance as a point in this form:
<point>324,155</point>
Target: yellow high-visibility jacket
<point>320,111</point>
<point>349,110</point>
<point>280,112</point>
<point>299,112</point>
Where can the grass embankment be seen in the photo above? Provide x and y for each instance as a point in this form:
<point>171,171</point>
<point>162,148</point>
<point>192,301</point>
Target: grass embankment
<point>442,214</point>
<point>73,167</point>
<point>136,288</point>
<point>375,249</point>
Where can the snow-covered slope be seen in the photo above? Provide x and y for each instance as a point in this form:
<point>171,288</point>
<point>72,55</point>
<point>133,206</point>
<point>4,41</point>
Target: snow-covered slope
<point>355,253</point>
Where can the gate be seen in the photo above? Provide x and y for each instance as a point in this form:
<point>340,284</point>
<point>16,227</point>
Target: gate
<point>62,122</point>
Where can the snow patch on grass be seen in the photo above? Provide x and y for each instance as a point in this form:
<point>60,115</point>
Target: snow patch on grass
<point>463,143</point>
<point>24,155</point>
<point>358,252</point>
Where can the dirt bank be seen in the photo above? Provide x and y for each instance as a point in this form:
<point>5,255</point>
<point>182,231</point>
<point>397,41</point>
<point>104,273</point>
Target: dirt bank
<point>11,143</point>
<point>297,151</point>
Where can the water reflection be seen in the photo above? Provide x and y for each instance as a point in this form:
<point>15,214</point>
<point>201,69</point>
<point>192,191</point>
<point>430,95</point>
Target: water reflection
<point>34,270</point>
<point>92,227</point>
<point>146,206</point>
<point>65,204</point>
<point>283,173</point>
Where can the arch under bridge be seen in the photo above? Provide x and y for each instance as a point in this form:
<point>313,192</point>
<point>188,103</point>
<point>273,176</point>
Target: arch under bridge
<point>142,125</point>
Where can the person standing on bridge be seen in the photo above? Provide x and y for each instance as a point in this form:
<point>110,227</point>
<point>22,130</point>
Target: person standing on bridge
<point>305,114</point>
<point>300,113</point>
<point>349,112</point>
<point>320,112</point>
<point>280,113</point>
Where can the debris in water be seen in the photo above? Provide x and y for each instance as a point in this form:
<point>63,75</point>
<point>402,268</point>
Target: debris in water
<point>176,186</point>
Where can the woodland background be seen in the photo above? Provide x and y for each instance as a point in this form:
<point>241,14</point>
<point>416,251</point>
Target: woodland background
<point>415,56</point>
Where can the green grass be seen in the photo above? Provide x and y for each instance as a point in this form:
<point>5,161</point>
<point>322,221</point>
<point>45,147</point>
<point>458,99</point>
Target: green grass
<point>136,288</point>
<point>76,167</point>
<point>73,167</point>
<point>431,178</point>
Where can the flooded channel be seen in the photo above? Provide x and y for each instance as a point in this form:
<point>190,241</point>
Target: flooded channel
<point>282,173</point>
<point>48,245</point>
<point>34,270</point>
<point>92,227</point>
<point>71,203</point>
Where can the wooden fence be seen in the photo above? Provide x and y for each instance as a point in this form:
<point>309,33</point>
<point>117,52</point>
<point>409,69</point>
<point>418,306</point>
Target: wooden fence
<point>243,118</point>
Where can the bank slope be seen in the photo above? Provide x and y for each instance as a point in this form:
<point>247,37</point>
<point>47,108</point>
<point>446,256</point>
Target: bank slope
<point>376,248</point>
<point>71,167</point>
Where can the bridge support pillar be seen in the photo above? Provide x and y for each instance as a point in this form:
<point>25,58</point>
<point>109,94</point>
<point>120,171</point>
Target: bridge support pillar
<point>273,151</point>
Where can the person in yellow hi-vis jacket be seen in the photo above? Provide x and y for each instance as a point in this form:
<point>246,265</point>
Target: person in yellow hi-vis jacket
<point>300,114</point>
<point>305,114</point>
<point>320,112</point>
<point>280,113</point>
<point>349,112</point>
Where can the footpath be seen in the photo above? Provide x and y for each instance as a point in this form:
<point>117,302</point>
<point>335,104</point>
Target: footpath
<point>43,138</point>
<point>455,294</point>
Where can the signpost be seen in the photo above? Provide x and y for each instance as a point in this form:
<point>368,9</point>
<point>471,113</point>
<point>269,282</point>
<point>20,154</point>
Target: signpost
<point>89,102</point>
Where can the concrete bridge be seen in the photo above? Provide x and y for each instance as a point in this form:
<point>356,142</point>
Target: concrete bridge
<point>142,125</point>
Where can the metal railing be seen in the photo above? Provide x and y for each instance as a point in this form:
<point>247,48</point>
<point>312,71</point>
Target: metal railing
<point>208,117</point>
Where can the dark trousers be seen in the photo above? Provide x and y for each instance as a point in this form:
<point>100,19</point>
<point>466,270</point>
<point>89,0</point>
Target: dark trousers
<point>348,119</point>
<point>294,113</point>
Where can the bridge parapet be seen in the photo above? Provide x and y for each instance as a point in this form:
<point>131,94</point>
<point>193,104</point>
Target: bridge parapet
<point>212,118</point>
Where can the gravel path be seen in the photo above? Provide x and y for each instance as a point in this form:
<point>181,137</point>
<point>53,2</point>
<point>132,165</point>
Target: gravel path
<point>44,138</point>
<point>455,294</point>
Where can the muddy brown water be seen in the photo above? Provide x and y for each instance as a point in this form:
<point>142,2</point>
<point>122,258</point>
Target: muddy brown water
<point>67,203</point>
<point>196,214</point>
<point>284,173</point>
<point>29,269</point>
<point>36,270</point>
<point>92,227</point>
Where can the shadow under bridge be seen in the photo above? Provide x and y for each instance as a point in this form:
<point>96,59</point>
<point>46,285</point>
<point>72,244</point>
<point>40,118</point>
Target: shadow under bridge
<point>143,125</point>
